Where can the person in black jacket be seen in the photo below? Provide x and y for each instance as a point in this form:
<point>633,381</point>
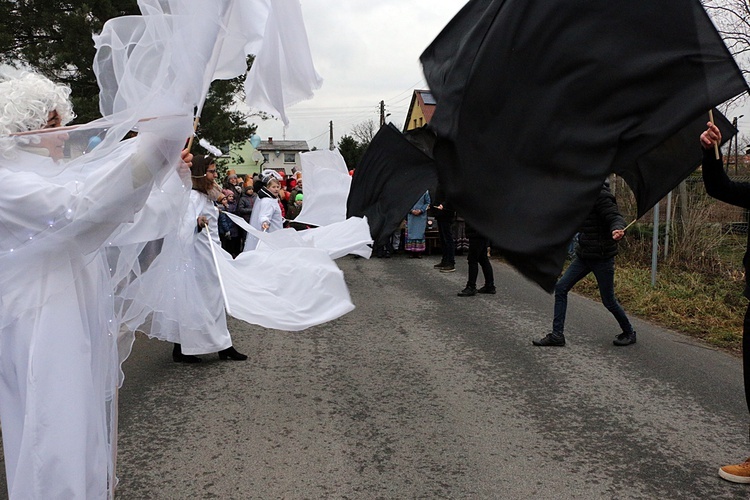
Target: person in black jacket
<point>478,246</point>
<point>444,215</point>
<point>722,188</point>
<point>597,247</point>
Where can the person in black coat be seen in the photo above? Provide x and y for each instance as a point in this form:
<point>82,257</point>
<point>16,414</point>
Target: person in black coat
<point>478,247</point>
<point>598,237</point>
<point>722,188</point>
<point>444,215</point>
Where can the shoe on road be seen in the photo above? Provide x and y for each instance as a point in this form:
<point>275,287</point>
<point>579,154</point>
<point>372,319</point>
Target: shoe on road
<point>487,289</point>
<point>624,339</point>
<point>550,340</point>
<point>738,473</point>
<point>448,268</point>
<point>469,291</point>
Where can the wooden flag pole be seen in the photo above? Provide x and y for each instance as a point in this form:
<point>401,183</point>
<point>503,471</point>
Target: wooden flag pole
<point>628,226</point>
<point>716,145</point>
<point>218,272</point>
<point>195,129</point>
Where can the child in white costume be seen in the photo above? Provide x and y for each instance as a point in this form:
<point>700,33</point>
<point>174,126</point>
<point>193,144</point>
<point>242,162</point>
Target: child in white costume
<point>266,214</point>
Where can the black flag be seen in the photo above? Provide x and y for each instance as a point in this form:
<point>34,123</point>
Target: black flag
<point>393,173</point>
<point>542,99</point>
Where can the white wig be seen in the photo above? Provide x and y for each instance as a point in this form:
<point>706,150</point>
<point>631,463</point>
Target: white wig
<point>26,99</point>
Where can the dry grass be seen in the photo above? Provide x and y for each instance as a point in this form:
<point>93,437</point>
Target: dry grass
<point>707,307</point>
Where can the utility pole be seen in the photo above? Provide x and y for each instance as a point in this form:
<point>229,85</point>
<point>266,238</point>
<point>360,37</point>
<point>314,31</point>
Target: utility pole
<point>330,135</point>
<point>736,146</point>
<point>382,113</point>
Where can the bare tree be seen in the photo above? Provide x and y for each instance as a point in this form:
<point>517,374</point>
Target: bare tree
<point>364,132</point>
<point>732,20</point>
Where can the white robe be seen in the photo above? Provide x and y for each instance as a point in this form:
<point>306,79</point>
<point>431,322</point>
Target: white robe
<point>264,210</point>
<point>59,363</point>
<point>192,313</point>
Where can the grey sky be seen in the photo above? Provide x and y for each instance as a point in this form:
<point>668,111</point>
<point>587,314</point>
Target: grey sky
<point>366,52</point>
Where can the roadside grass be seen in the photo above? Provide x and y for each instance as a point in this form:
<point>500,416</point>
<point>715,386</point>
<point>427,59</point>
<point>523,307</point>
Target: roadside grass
<point>709,307</point>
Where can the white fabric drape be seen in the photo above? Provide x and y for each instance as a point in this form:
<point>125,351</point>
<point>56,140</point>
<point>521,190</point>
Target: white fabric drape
<point>326,186</point>
<point>211,38</point>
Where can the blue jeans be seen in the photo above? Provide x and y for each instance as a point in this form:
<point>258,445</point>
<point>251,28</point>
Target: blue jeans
<point>604,271</point>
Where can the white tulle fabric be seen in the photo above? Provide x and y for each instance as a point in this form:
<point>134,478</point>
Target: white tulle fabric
<point>216,37</point>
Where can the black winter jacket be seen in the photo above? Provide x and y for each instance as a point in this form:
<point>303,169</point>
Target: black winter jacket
<point>720,186</point>
<point>595,235</point>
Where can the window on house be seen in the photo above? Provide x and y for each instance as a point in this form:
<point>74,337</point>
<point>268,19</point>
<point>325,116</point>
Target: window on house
<point>421,121</point>
<point>289,157</point>
<point>265,157</point>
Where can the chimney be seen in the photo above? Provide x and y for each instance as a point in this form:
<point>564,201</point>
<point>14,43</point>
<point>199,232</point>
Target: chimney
<point>270,140</point>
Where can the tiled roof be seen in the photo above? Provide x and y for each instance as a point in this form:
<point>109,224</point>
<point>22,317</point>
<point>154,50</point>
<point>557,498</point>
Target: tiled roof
<point>283,146</point>
<point>427,109</point>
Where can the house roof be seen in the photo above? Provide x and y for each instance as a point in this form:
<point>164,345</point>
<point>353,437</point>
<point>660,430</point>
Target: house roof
<point>426,102</point>
<point>283,146</point>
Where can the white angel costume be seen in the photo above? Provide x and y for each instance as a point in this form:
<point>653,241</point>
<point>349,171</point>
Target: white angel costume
<point>59,363</point>
<point>265,210</point>
<point>179,300</point>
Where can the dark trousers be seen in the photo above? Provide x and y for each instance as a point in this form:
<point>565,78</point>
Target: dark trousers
<point>746,355</point>
<point>446,241</point>
<point>604,271</point>
<point>478,257</point>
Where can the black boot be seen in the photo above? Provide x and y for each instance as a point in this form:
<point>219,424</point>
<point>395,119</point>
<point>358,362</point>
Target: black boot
<point>625,339</point>
<point>469,291</point>
<point>231,353</point>
<point>178,357</point>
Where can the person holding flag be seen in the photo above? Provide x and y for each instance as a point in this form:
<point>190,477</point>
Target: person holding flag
<point>722,188</point>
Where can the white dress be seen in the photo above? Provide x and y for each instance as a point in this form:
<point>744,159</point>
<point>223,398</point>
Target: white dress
<point>59,361</point>
<point>210,334</point>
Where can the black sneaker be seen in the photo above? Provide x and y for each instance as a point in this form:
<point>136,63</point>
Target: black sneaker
<point>624,339</point>
<point>469,291</point>
<point>487,289</point>
<point>448,268</point>
<point>550,340</point>
<point>440,265</point>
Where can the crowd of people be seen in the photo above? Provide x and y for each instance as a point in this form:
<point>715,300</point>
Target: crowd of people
<point>242,195</point>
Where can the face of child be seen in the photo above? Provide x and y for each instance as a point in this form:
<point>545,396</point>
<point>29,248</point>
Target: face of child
<point>274,188</point>
<point>211,172</point>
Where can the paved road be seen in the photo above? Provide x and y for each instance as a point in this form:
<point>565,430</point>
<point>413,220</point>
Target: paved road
<point>422,394</point>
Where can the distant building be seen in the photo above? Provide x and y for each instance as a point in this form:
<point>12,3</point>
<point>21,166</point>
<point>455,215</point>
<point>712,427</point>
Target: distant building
<point>420,110</point>
<point>276,155</point>
<point>282,155</point>
<point>245,159</point>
